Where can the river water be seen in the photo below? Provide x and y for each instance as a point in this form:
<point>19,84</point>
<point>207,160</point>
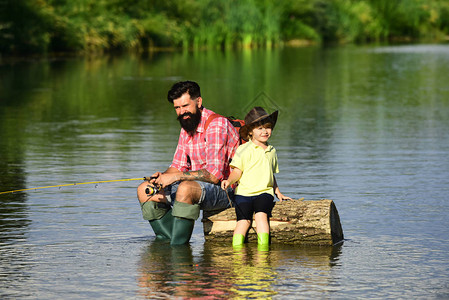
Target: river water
<point>364,126</point>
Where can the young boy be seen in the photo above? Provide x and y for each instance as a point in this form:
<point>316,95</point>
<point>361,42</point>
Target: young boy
<point>254,165</point>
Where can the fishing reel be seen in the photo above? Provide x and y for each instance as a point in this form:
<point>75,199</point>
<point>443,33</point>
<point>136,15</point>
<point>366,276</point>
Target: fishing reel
<point>151,190</point>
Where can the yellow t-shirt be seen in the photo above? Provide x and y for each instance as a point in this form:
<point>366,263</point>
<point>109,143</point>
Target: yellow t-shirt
<point>258,166</point>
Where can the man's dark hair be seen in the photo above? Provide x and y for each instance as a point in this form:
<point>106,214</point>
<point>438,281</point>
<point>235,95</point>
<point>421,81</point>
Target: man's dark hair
<point>182,87</point>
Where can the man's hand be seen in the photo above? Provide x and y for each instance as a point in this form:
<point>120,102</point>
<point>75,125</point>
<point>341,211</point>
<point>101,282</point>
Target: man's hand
<point>172,175</point>
<point>165,179</point>
<point>153,177</point>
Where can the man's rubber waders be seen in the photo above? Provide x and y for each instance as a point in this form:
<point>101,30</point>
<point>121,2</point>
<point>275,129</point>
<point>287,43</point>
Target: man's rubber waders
<point>160,218</point>
<point>175,224</point>
<point>184,216</point>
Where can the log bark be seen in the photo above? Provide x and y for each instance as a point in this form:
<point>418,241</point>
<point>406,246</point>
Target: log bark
<point>293,222</point>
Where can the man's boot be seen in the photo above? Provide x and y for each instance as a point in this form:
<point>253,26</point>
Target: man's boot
<point>184,216</point>
<point>160,217</point>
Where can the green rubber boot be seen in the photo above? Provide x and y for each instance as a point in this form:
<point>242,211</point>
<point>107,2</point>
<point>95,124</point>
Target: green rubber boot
<point>182,231</point>
<point>238,240</point>
<point>160,218</point>
<point>163,227</point>
<point>184,220</point>
<point>263,241</point>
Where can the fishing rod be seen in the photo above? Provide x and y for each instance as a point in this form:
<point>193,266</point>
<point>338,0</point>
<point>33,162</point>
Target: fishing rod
<point>72,184</point>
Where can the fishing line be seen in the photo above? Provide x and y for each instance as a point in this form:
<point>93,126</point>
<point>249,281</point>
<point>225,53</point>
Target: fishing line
<point>108,181</point>
<point>72,184</point>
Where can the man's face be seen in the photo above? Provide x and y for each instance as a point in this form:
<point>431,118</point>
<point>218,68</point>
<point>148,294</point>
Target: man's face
<point>188,111</point>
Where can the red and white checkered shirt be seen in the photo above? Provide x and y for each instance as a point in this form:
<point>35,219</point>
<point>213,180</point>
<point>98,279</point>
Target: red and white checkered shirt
<point>211,150</point>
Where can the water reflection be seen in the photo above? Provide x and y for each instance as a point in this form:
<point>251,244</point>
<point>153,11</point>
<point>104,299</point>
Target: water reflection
<point>219,271</point>
<point>166,271</point>
<point>248,269</point>
<point>14,220</point>
<point>14,226</point>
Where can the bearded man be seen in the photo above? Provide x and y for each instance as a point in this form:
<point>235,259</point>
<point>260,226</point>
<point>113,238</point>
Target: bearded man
<point>200,162</point>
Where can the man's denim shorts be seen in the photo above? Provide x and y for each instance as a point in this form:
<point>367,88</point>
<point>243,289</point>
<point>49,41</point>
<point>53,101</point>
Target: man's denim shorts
<point>213,197</point>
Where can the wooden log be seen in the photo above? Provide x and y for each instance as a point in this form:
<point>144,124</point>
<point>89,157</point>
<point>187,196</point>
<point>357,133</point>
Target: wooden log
<point>293,222</point>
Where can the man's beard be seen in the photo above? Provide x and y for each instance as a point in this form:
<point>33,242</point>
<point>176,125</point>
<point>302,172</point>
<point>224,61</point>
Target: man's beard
<point>190,124</point>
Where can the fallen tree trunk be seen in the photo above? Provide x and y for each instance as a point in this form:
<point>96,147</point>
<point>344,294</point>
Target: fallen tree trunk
<point>292,222</point>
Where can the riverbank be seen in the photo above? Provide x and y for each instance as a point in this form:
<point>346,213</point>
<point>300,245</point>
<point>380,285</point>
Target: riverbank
<point>91,27</point>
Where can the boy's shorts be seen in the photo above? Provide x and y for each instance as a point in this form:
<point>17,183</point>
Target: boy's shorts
<point>245,207</point>
<point>213,197</point>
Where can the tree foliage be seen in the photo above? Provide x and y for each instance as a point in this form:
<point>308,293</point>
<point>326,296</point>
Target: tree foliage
<point>40,26</point>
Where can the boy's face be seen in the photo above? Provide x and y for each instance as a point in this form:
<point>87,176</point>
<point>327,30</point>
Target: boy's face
<point>261,134</point>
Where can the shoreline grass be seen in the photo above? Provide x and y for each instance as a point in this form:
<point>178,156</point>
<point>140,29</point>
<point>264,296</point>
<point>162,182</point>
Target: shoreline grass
<point>109,26</point>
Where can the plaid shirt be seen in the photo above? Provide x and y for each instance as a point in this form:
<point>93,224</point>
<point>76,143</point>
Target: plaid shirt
<point>211,150</point>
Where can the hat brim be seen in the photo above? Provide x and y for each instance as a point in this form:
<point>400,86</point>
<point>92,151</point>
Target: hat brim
<point>244,130</point>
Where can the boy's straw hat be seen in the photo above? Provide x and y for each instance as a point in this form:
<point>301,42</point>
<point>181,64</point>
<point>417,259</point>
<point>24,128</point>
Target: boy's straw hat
<point>256,114</point>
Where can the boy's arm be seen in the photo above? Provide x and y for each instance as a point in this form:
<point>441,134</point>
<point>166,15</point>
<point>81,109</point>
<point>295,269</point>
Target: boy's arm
<point>235,175</point>
<point>277,192</point>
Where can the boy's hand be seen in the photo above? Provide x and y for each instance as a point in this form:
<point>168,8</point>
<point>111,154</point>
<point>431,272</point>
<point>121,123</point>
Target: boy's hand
<point>281,197</point>
<point>225,184</point>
